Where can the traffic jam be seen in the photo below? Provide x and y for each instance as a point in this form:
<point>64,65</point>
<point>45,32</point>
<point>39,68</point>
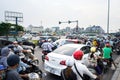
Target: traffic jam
<point>70,58</point>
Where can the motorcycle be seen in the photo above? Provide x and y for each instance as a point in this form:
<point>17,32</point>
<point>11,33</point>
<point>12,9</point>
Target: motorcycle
<point>118,50</point>
<point>34,72</point>
<point>106,64</point>
<point>44,53</point>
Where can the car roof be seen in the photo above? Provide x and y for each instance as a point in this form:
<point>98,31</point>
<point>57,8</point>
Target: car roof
<point>4,43</point>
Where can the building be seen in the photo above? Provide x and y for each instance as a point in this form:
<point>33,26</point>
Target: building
<point>35,29</point>
<point>94,29</point>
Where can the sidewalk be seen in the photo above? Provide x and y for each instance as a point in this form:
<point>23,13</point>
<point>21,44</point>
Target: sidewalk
<point>116,75</point>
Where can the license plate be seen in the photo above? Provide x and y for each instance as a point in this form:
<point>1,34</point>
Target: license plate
<point>51,70</point>
<point>105,63</point>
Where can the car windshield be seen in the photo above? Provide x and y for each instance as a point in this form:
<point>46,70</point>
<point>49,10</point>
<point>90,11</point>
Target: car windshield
<point>20,39</point>
<point>65,50</point>
<point>48,37</point>
<point>11,39</point>
<point>63,42</point>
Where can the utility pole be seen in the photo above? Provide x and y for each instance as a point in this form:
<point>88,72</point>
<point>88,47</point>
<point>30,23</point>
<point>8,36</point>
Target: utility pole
<point>108,18</point>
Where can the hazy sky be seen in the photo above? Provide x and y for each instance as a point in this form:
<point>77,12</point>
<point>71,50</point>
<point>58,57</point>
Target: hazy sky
<point>50,12</point>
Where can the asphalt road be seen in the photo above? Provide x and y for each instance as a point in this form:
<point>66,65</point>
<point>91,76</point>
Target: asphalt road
<point>106,76</point>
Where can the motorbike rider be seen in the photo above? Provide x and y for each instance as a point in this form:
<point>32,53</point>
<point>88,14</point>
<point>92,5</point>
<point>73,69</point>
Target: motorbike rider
<point>19,48</point>
<point>95,61</point>
<point>67,73</point>
<point>13,63</point>
<point>6,52</point>
<point>107,54</point>
<point>89,42</point>
<point>77,55</point>
<point>47,46</point>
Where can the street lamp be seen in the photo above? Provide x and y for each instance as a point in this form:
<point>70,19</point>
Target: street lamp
<point>108,16</point>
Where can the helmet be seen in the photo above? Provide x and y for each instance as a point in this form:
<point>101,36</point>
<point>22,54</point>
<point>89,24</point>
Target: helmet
<point>2,67</point>
<point>13,60</point>
<point>20,42</point>
<point>93,49</point>
<point>15,42</point>
<point>107,45</point>
<point>33,76</point>
<point>78,54</point>
<point>5,51</point>
<point>70,62</point>
<point>49,40</point>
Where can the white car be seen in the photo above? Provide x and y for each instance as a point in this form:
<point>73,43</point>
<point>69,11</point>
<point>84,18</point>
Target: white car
<point>61,42</point>
<point>27,36</point>
<point>54,61</point>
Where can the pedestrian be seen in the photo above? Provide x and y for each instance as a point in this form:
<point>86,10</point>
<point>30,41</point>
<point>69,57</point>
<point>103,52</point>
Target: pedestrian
<point>67,73</point>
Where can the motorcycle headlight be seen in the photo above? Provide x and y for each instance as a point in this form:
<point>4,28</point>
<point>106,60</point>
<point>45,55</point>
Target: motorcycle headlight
<point>33,76</point>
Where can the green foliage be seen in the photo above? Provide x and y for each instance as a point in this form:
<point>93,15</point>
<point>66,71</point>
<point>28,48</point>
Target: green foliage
<point>5,28</point>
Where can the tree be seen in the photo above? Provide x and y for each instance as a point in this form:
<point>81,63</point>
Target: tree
<point>5,28</point>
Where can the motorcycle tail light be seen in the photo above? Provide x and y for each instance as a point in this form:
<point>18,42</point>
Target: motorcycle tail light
<point>46,58</point>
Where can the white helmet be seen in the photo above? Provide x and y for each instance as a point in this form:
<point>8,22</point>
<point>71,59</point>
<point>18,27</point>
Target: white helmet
<point>33,76</point>
<point>49,40</point>
<point>70,62</point>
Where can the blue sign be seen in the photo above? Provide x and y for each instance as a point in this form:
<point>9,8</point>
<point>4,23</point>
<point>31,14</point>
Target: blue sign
<point>13,32</point>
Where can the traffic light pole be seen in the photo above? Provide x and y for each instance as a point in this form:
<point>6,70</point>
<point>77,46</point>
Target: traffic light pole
<point>71,22</point>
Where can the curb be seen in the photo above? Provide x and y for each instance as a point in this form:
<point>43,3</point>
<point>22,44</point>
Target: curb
<point>116,74</point>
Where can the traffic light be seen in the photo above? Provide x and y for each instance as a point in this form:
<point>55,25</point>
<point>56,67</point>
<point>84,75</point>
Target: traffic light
<point>59,22</point>
<point>69,22</point>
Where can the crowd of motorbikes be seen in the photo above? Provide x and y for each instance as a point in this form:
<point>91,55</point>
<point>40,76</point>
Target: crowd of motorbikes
<point>33,71</point>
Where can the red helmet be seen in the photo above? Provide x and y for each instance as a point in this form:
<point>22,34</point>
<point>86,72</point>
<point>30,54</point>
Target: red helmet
<point>78,54</point>
<point>107,44</point>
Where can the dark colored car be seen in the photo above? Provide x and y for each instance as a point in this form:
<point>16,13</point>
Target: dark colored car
<point>20,39</point>
<point>4,43</point>
<point>28,43</point>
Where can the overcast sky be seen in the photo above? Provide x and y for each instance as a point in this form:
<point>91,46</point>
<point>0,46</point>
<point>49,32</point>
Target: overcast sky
<point>50,12</point>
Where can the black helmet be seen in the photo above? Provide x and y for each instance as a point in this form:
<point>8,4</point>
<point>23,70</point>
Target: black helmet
<point>13,60</point>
